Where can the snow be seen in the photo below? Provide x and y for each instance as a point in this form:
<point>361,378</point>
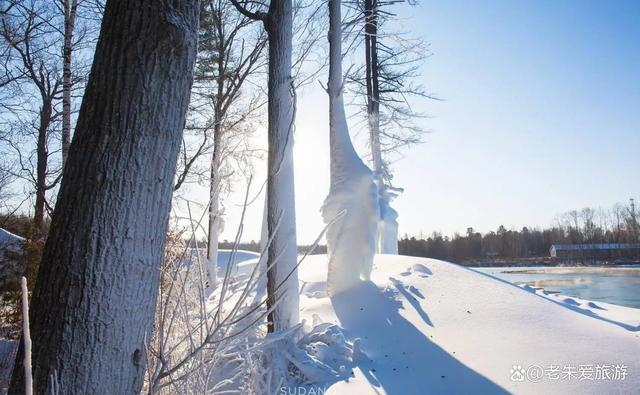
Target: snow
<point>428,326</point>
<point>241,257</point>
<point>10,243</point>
<point>626,317</point>
<point>7,355</point>
<point>241,268</point>
<point>8,237</point>
<point>11,252</point>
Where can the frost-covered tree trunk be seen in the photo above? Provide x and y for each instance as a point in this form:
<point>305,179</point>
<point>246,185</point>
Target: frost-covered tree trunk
<point>215,224</point>
<point>70,8</point>
<point>387,242</point>
<point>93,303</point>
<point>214,177</point>
<point>351,239</point>
<point>387,235</point>
<point>282,278</point>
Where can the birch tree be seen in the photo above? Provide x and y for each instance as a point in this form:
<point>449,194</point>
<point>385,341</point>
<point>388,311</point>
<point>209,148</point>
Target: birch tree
<point>351,238</point>
<point>93,303</point>
<point>70,10</point>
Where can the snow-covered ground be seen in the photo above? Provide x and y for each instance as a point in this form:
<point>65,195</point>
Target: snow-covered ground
<point>11,266</point>
<point>625,317</point>
<point>428,326</point>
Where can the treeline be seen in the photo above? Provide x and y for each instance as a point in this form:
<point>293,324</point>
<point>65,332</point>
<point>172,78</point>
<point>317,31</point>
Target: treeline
<point>618,224</point>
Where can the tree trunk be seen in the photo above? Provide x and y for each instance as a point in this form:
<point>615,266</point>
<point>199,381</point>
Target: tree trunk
<point>373,94</point>
<point>93,303</point>
<point>70,8</point>
<point>387,234</point>
<point>216,163</point>
<point>387,242</point>
<point>42,157</point>
<point>282,278</point>
<point>214,209</point>
<point>351,238</point>
<point>344,159</point>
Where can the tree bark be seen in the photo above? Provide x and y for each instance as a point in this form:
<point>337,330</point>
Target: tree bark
<point>373,94</point>
<point>282,278</point>
<point>42,158</point>
<point>93,303</point>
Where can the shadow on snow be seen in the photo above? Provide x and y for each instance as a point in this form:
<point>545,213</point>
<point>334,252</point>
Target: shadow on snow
<point>422,367</point>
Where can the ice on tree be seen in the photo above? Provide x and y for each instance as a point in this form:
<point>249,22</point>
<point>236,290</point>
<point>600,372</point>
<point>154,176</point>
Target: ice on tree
<point>351,239</point>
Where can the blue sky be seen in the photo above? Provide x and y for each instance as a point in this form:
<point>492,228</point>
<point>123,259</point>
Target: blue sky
<point>541,114</point>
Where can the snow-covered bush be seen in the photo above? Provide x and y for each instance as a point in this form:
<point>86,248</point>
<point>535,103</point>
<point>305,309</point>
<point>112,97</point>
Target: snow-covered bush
<point>199,340</point>
<point>302,357</point>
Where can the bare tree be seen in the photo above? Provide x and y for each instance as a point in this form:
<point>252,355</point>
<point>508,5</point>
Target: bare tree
<point>632,222</point>
<point>392,62</point>
<point>30,37</point>
<point>37,43</point>
<point>79,20</point>
<point>6,178</point>
<point>93,304</point>
<point>223,107</point>
<point>9,73</point>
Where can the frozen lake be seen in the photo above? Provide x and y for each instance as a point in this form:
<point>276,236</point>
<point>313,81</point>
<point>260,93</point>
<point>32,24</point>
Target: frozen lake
<point>618,285</point>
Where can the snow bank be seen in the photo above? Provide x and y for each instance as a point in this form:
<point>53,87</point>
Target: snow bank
<point>8,237</point>
<point>240,257</point>
<point>428,326</point>
<point>623,316</point>
<point>242,263</point>
<point>12,264</point>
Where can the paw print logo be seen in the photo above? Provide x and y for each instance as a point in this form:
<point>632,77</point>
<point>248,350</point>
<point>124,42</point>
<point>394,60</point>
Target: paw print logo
<point>517,373</point>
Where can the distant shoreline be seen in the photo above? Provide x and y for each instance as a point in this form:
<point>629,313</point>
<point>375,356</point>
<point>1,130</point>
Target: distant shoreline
<point>544,263</point>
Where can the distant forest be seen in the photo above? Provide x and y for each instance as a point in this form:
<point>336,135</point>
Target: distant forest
<point>618,224</point>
